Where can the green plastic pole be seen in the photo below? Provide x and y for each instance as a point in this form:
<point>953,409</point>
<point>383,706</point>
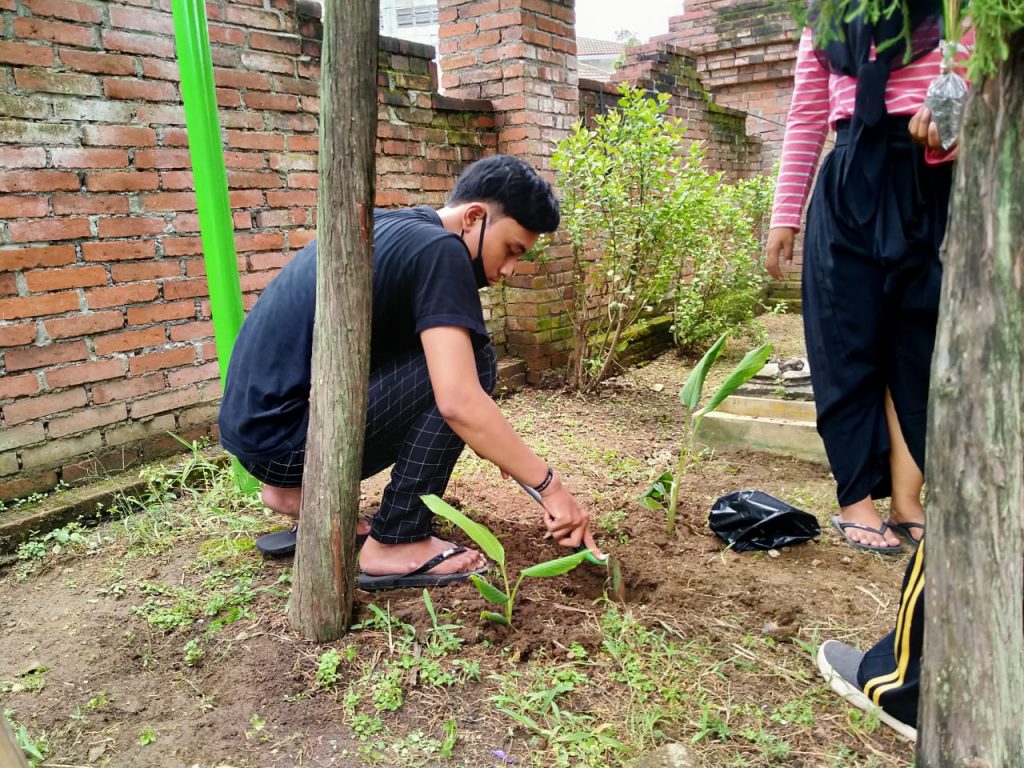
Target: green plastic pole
<point>216,226</point>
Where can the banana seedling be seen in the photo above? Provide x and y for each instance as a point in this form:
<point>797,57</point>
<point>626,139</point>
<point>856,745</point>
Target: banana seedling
<point>488,542</point>
<point>669,484</point>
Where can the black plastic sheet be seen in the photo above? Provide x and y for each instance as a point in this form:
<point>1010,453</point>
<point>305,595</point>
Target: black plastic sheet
<point>752,520</point>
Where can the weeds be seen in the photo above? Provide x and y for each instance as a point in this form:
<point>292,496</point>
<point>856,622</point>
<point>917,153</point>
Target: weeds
<point>147,737</point>
<point>327,670</point>
<point>216,508</point>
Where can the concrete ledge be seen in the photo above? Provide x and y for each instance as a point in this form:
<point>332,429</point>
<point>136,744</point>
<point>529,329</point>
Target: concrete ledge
<point>93,501</point>
<point>783,427</point>
<point>88,503</point>
<point>511,377</point>
<point>770,407</point>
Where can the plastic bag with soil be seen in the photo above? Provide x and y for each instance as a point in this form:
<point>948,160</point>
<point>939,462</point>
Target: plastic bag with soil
<point>755,520</point>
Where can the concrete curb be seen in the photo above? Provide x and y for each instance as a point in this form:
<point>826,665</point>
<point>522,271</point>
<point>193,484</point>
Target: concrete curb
<point>88,503</point>
<point>782,427</point>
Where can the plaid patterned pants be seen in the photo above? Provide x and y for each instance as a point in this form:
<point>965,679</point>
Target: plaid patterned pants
<point>403,429</point>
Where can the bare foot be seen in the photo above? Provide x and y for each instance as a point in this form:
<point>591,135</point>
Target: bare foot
<point>864,513</point>
<point>376,559</point>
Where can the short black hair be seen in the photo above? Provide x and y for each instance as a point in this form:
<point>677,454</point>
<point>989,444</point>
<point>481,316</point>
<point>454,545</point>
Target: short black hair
<point>513,186</point>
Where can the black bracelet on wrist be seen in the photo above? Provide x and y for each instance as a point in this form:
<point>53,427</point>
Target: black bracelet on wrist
<point>547,481</point>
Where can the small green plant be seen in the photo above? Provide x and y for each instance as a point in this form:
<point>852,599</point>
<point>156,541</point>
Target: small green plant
<point>97,702</point>
<point>494,550</point>
<point>689,395</point>
<point>711,725</point>
<point>35,748</point>
<point>147,737</point>
<point>72,536</point>
<point>193,652</point>
<point>441,637</point>
<point>543,709</point>
<point>257,728</point>
<point>327,670</point>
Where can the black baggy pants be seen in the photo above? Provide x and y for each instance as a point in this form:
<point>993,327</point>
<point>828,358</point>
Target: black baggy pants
<point>870,305</point>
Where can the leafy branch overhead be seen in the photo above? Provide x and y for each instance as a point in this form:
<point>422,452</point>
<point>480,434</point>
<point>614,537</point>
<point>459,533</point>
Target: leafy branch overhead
<point>993,23</point>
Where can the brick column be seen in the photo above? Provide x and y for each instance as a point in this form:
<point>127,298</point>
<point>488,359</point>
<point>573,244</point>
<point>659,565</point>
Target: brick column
<point>521,54</point>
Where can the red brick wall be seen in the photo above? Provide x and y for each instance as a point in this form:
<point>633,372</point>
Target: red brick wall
<point>105,333</point>
<point>521,54</point>
<point>745,53</point>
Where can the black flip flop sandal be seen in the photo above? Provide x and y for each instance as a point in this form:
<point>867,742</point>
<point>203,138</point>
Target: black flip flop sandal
<point>906,532</point>
<point>419,577</point>
<point>278,543</point>
<point>841,527</point>
<point>282,543</point>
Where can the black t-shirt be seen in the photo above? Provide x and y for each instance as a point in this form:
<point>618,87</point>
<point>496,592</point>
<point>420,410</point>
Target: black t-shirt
<point>422,278</point>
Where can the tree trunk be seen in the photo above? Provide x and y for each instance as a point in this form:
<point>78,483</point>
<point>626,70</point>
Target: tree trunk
<point>325,562</point>
<point>11,755</point>
<point>972,694</point>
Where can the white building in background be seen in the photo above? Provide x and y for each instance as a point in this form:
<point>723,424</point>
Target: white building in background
<point>414,20</point>
<point>596,59</point>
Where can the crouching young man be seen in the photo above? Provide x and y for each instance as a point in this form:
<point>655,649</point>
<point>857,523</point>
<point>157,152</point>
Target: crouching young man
<point>432,369</point>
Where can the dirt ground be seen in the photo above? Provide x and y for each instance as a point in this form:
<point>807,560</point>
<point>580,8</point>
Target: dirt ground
<point>83,662</point>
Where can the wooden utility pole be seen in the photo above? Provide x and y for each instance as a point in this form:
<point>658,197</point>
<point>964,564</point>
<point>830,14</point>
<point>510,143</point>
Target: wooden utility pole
<point>11,755</point>
<point>325,561</point>
<point>972,695</point>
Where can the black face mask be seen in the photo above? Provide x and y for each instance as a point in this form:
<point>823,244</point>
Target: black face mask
<point>478,262</point>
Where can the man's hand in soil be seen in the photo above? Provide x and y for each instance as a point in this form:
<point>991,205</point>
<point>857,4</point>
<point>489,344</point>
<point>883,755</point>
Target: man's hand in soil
<point>567,521</point>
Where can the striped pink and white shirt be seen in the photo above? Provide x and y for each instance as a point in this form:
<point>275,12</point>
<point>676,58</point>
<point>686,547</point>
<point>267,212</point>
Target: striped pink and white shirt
<point>820,99</point>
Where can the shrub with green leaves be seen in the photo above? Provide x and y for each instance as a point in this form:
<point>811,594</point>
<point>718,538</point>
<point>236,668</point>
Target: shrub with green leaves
<point>620,205</point>
<point>491,547</point>
<point>718,275</point>
<point>669,484</point>
<point>651,231</point>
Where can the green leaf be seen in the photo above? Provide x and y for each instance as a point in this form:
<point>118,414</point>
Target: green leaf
<point>751,363</point>
<point>497,618</point>
<point>689,395</point>
<point>477,532</point>
<point>554,567</point>
<point>647,502</point>
<point>490,592</point>
<point>657,490</point>
<point>430,606</point>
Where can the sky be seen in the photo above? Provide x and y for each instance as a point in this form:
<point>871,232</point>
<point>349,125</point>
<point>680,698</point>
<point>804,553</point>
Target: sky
<point>601,19</point>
